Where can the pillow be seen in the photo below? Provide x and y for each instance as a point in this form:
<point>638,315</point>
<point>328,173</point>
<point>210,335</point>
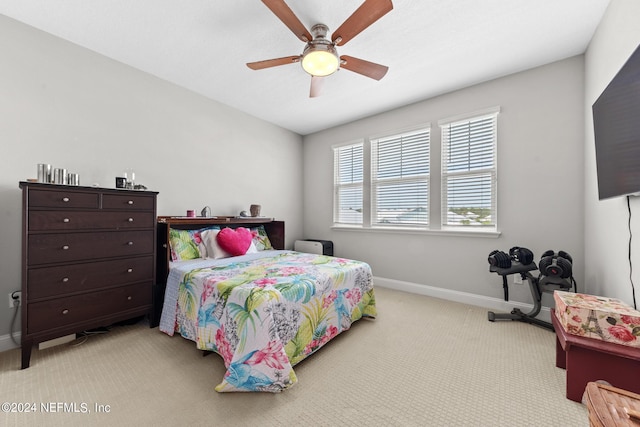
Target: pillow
<point>183,246</point>
<point>183,242</point>
<point>197,238</point>
<point>260,238</point>
<point>252,248</point>
<point>234,241</point>
<point>213,249</point>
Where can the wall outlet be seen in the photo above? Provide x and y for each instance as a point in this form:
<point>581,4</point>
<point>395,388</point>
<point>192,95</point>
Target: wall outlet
<point>517,279</point>
<point>12,300</point>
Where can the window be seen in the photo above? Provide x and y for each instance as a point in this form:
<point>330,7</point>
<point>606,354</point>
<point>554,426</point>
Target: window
<point>348,184</point>
<point>400,180</point>
<point>384,182</point>
<point>469,171</point>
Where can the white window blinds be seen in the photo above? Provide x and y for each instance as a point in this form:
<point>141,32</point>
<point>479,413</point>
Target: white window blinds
<point>400,179</point>
<point>348,180</point>
<point>469,171</point>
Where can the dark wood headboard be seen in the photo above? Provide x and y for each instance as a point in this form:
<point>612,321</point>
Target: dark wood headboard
<point>274,229</point>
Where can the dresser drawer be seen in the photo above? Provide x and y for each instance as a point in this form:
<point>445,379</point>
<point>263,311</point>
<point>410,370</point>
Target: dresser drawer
<point>97,220</point>
<point>65,279</point>
<point>63,199</point>
<point>70,247</point>
<point>67,311</point>
<point>128,201</point>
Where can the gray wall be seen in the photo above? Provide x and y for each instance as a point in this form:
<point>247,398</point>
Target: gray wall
<point>606,222</point>
<point>67,106</point>
<point>540,183</point>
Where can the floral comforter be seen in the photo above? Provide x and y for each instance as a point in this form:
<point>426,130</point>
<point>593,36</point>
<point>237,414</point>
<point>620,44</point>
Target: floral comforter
<point>265,312</point>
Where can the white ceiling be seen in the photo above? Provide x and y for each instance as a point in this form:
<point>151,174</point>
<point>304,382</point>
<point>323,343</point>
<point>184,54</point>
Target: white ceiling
<point>430,46</point>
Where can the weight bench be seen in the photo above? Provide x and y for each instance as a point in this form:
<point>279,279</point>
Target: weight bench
<point>537,286</point>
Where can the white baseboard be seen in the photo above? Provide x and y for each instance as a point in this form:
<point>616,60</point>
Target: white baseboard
<point>493,304</point>
<point>56,341</point>
<point>7,344</point>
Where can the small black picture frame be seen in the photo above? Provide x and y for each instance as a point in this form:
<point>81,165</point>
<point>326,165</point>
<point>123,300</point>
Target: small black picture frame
<point>121,182</point>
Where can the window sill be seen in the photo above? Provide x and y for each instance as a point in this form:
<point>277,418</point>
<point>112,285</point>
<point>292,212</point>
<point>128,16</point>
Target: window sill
<point>454,232</point>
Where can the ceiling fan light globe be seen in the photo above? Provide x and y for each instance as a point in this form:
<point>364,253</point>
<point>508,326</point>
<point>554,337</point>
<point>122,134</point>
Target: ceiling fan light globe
<point>320,62</point>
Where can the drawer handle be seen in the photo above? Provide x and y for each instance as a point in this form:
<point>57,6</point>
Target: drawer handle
<point>66,220</point>
<point>130,202</point>
<point>65,311</point>
<point>65,199</point>
<point>130,270</point>
<point>130,243</point>
<point>129,298</point>
<point>65,279</point>
<point>130,219</point>
<point>65,247</point>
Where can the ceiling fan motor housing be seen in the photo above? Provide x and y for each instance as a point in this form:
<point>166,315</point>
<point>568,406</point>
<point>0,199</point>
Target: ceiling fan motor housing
<point>320,57</point>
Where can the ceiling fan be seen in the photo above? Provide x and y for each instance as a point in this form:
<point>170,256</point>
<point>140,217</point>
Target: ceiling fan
<point>320,56</point>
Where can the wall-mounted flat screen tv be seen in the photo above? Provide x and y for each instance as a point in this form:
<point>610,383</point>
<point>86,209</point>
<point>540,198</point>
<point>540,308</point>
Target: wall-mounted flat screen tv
<point>616,122</point>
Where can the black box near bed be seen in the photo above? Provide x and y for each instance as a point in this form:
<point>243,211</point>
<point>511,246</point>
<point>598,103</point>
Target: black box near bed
<point>264,309</point>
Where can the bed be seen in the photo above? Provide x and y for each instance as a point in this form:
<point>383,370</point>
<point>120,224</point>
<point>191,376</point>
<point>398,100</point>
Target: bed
<point>263,311</point>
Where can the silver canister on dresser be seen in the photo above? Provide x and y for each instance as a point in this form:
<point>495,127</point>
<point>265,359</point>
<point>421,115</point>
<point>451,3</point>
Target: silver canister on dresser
<point>59,176</point>
<point>44,173</point>
<point>73,179</point>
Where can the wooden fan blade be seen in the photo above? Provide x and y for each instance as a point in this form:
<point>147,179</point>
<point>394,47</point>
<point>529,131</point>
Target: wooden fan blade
<point>368,13</point>
<point>366,68</point>
<point>316,86</point>
<point>286,15</point>
<point>267,63</point>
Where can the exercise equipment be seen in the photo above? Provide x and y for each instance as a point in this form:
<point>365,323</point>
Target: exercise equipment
<point>556,264</point>
<point>499,259</point>
<point>522,255</point>
<point>555,274</point>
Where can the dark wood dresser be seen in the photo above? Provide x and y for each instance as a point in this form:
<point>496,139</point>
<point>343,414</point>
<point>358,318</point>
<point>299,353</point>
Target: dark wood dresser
<point>88,259</point>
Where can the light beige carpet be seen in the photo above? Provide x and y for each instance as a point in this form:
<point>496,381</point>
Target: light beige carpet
<point>422,362</point>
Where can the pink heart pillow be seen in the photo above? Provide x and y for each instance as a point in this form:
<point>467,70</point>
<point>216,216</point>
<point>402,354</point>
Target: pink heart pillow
<point>234,241</point>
